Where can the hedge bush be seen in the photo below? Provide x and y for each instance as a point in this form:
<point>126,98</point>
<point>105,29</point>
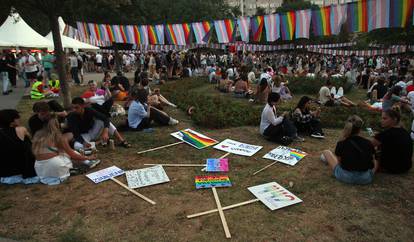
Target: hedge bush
<point>214,110</point>
<point>311,86</point>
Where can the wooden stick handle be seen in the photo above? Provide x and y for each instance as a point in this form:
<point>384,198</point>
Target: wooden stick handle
<point>224,155</point>
<point>224,208</point>
<point>264,168</point>
<point>161,147</point>
<point>221,213</point>
<point>186,165</point>
<point>132,190</point>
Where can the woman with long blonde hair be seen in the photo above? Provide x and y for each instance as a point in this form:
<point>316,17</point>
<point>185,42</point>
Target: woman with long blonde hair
<point>54,156</point>
<point>353,161</point>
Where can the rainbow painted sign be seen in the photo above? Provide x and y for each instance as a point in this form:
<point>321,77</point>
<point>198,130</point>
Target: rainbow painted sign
<point>274,196</point>
<point>212,181</point>
<point>217,165</point>
<point>285,155</point>
<point>194,138</point>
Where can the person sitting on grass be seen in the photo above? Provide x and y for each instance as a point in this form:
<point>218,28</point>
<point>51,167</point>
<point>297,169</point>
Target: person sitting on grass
<point>100,99</point>
<point>54,156</point>
<point>329,99</point>
<point>393,97</point>
<point>120,87</point>
<point>353,161</point>
<point>54,84</point>
<point>88,125</point>
<point>277,128</point>
<point>17,161</point>
<point>241,87</point>
<point>394,144</point>
<point>42,114</point>
<point>279,87</point>
<point>141,114</point>
<point>39,91</point>
<point>225,83</point>
<point>262,91</point>
<point>155,98</point>
<point>307,121</point>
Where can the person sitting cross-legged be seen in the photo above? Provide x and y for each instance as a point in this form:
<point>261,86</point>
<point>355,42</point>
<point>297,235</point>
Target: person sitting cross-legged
<point>87,125</point>
<point>141,114</point>
<point>307,121</point>
<point>353,161</point>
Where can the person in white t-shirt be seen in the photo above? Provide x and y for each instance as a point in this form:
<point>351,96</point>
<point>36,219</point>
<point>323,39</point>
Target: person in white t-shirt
<point>73,61</point>
<point>29,64</point>
<point>98,59</point>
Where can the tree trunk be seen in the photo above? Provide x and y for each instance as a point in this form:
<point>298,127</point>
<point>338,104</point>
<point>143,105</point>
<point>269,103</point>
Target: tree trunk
<point>60,60</point>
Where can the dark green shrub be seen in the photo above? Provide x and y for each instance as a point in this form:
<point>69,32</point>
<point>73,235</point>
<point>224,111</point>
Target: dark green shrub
<point>311,86</point>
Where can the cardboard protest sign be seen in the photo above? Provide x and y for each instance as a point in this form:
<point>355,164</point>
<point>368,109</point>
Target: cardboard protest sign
<point>217,165</point>
<point>274,196</point>
<point>146,177</point>
<point>105,174</point>
<point>194,138</point>
<point>285,155</point>
<point>212,181</point>
<point>238,148</point>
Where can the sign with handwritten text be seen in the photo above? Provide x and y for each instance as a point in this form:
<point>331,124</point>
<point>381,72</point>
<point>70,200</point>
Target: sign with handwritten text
<point>274,196</point>
<point>146,177</point>
<point>105,174</point>
<point>285,155</point>
<point>238,148</point>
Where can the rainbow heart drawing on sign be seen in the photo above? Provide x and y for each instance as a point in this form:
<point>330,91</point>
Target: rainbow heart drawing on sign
<point>212,181</point>
<point>197,140</point>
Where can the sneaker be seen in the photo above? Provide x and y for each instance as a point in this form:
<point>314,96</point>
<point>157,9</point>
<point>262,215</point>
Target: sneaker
<point>173,122</point>
<point>91,163</point>
<point>317,136</point>
<point>298,139</point>
<point>286,140</point>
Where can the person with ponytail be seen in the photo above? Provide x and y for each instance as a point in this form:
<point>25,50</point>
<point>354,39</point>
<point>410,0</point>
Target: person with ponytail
<point>394,144</point>
<point>353,161</point>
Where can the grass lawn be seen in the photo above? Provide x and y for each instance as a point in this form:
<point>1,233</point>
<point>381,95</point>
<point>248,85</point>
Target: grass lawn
<point>79,210</point>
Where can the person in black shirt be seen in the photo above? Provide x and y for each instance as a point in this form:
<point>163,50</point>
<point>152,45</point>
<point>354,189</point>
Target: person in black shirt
<point>17,161</point>
<point>87,125</point>
<point>42,114</point>
<point>394,144</point>
<point>353,161</point>
<point>4,74</point>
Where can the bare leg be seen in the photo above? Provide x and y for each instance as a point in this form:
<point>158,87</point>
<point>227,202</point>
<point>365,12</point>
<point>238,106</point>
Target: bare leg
<point>164,100</point>
<point>347,102</point>
<point>118,136</point>
<point>330,158</point>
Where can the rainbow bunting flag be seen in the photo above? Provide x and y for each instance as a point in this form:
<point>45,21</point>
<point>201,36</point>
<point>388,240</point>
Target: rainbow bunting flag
<point>400,11</point>
<point>201,31</point>
<point>357,16</point>
<point>303,20</point>
<point>137,35</point>
<point>257,23</point>
<point>152,35</point>
<point>187,33</point>
<point>143,32</point>
<point>225,30</point>
<point>338,17</point>
<point>194,138</point>
<point>378,14</point>
<point>170,34</point>
<point>321,21</point>
<point>243,25</point>
<point>122,30</point>
<point>110,33</point>
<point>272,26</point>
<point>287,25</point>
<point>159,29</point>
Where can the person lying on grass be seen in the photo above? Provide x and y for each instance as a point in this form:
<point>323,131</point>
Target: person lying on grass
<point>277,128</point>
<point>54,156</point>
<point>327,98</point>
<point>307,121</point>
<point>353,161</point>
<point>155,98</point>
<point>141,113</point>
<point>394,144</point>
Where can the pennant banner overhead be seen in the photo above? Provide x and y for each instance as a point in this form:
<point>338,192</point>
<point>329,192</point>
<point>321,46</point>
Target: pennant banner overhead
<point>152,35</point>
<point>321,21</point>
<point>287,25</point>
<point>187,33</point>
<point>400,11</point>
<point>257,28</point>
<point>379,14</point>
<point>338,17</point>
<point>224,30</point>
<point>243,24</point>
<point>272,26</point>
<point>160,33</point>
<point>201,31</point>
<point>357,16</point>
<point>303,20</point>
<point>170,34</point>
<point>143,31</point>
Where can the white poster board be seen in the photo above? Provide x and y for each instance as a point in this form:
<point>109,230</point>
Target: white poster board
<point>238,148</point>
<point>285,155</point>
<point>146,177</point>
<point>105,174</point>
<point>274,196</point>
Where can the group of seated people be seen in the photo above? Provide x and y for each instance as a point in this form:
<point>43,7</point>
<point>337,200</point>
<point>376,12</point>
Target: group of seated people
<point>41,90</point>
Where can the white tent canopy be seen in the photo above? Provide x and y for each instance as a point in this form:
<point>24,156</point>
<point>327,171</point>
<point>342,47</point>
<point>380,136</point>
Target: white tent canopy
<point>16,32</point>
<point>68,42</point>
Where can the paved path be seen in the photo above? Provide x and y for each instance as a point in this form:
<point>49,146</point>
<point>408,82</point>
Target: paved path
<point>11,100</point>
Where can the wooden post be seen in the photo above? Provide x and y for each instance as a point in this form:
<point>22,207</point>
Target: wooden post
<point>264,168</point>
<point>224,208</point>
<point>161,147</point>
<point>132,190</point>
<point>225,155</point>
<point>221,213</point>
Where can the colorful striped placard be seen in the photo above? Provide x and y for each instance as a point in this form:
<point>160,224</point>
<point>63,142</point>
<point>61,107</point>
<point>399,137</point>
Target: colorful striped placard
<point>212,181</point>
